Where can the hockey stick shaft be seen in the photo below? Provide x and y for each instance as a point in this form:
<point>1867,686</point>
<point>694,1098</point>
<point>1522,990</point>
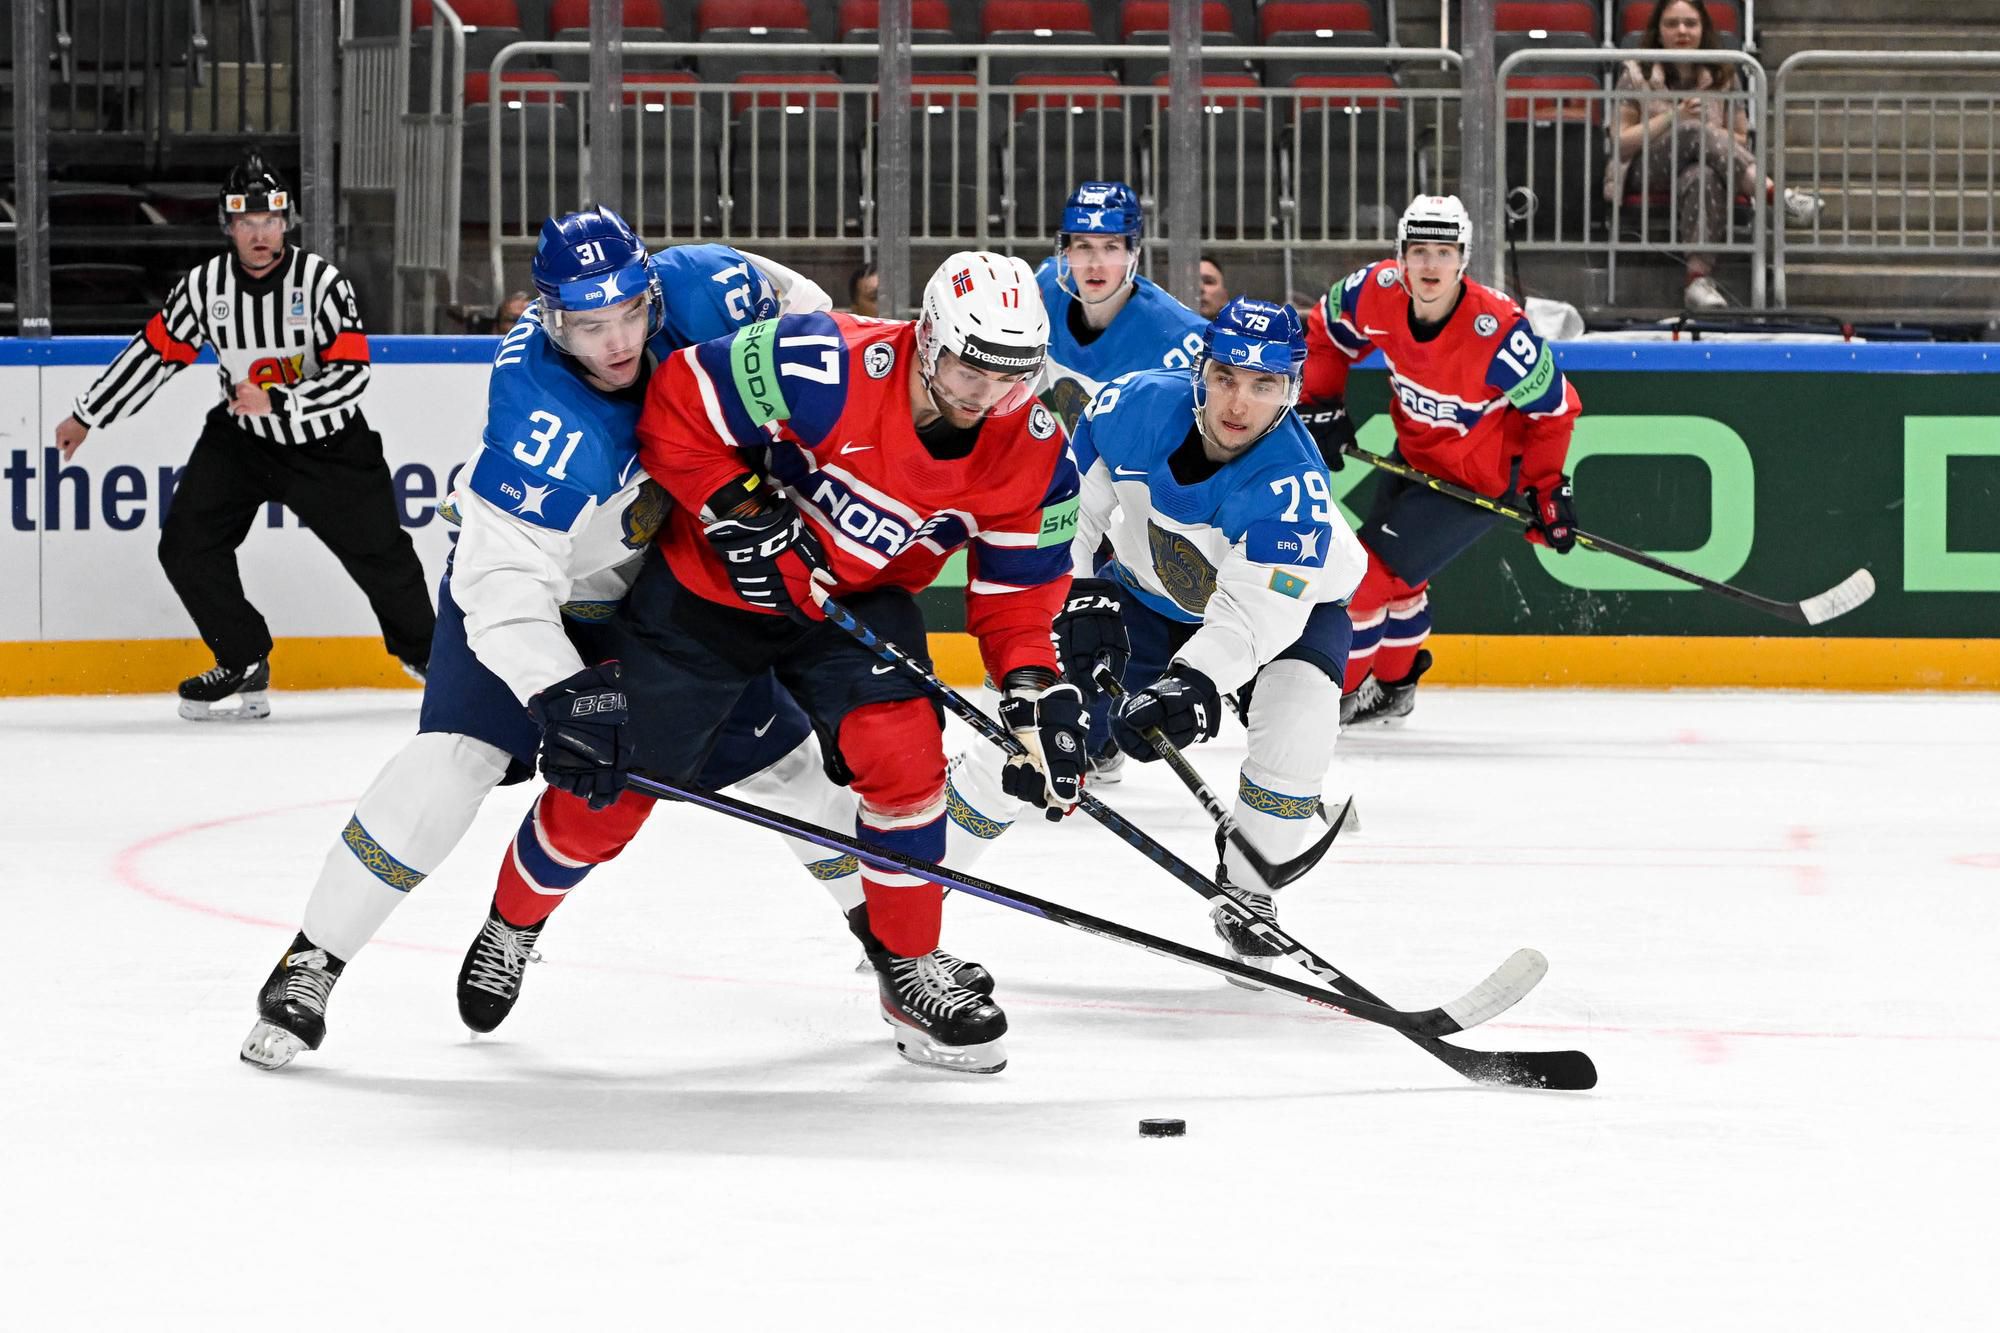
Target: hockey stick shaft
<point>1120,827</point>
<point>1839,600</point>
<point>1277,875</point>
<point>1523,971</point>
<point>1429,1022</point>
<point>1513,979</point>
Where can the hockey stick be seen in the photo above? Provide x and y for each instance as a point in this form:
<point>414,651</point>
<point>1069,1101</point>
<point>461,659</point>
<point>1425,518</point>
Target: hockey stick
<point>1194,782</point>
<point>1481,1003</point>
<point>1275,876</point>
<point>1524,969</point>
<point>1569,1070</point>
<point>1838,600</point>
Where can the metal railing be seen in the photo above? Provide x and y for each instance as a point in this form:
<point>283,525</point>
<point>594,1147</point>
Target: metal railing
<point>1876,206</point>
<point>1678,190</point>
<point>788,162</point>
<point>150,68</point>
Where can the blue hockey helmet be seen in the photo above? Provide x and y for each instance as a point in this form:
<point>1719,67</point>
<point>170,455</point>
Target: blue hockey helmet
<point>1099,208</point>
<point>1257,336</point>
<point>592,260</point>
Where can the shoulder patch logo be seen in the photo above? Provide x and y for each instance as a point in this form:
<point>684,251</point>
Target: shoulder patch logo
<point>1386,276</point>
<point>879,360</point>
<point>1040,424</point>
<point>1486,326</point>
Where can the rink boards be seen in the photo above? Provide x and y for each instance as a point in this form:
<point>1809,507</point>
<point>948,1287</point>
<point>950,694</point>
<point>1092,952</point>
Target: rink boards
<point>1777,467</point>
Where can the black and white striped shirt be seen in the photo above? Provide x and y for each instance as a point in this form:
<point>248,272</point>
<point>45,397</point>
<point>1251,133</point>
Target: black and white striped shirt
<point>296,332</point>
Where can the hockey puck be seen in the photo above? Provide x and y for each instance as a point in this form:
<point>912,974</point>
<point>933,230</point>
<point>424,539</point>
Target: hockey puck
<point>1162,1129</point>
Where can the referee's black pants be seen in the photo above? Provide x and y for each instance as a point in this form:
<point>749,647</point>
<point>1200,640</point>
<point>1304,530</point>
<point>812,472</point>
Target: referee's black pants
<point>340,490</point>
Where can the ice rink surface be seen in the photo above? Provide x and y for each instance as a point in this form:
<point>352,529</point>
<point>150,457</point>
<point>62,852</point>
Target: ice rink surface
<point>1771,920</point>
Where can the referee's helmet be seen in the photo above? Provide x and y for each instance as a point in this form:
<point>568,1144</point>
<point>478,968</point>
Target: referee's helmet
<point>254,186</point>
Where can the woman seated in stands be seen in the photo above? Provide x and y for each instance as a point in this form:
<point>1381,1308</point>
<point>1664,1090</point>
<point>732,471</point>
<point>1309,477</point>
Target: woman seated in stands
<point>1690,142</point>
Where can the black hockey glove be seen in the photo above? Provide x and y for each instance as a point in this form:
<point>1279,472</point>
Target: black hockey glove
<point>1331,430</point>
<point>1048,719</point>
<point>770,554</point>
<point>1183,704</point>
<point>586,743</point>
<point>1554,524</point>
<point>1090,630</point>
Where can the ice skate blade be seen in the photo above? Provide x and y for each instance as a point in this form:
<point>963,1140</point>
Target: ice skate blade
<point>988,1057</point>
<point>1248,960</point>
<point>254,704</point>
<point>269,1046</point>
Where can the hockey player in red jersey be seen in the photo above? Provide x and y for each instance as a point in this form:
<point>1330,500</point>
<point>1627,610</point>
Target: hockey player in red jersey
<point>1477,399</point>
<point>817,455</point>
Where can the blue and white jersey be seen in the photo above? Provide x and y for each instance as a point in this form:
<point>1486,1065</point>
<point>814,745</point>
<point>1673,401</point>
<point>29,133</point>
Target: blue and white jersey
<point>555,510</point>
<point>1246,553</point>
<point>1150,330</point>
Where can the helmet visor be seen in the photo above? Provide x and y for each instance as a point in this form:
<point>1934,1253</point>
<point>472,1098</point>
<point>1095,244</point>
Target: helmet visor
<point>606,333</point>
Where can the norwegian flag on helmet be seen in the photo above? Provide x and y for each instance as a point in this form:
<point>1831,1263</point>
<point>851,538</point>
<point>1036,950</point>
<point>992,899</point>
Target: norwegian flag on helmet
<point>961,282</point>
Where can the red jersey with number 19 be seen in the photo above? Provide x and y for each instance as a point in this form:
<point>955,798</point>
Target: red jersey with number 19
<point>820,404</point>
<point>1468,397</point>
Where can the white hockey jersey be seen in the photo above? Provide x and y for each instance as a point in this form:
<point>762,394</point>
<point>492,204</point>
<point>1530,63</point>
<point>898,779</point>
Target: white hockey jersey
<point>1246,552</point>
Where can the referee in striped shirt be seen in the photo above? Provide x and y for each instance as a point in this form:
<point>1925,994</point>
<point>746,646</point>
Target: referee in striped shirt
<point>293,364</point>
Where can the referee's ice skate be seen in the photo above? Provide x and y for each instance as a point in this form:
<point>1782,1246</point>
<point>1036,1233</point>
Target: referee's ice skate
<point>246,689</point>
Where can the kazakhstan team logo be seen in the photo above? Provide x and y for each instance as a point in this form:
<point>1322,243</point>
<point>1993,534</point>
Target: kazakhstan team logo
<point>645,514</point>
<point>1182,569</point>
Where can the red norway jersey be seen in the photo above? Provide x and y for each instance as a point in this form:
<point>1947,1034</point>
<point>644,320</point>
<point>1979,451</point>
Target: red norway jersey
<point>820,404</point>
<point>1467,400</point>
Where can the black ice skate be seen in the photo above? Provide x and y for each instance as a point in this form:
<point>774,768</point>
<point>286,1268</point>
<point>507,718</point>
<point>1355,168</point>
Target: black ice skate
<point>1385,701</point>
<point>1245,944</point>
<point>249,686</point>
<point>490,979</point>
<point>939,1023</point>
<point>969,975</point>
<point>291,1009</point>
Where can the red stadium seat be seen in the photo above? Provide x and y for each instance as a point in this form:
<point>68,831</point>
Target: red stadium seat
<point>866,16</point>
<point>576,14</point>
<point>647,89</point>
<point>1292,19</point>
<point>1029,94</point>
<point>1574,16</point>
<point>1217,81</point>
<point>1347,83</point>
<point>1146,20</point>
<point>789,14</point>
<point>1546,110</point>
<point>512,90</point>
<point>478,13</point>
<point>1036,17</point>
<point>787,95</point>
<point>919,97</point>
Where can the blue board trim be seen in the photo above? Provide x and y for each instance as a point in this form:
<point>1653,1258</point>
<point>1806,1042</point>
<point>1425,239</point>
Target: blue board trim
<point>1574,357</point>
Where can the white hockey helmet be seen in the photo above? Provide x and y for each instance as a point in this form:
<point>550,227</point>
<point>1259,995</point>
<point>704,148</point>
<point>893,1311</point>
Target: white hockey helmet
<point>1438,218</point>
<point>986,310</point>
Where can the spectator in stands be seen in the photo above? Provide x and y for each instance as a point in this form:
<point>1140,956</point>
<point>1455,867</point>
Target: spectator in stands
<point>1689,141</point>
<point>863,286</point>
<point>1214,293</point>
<point>509,311</point>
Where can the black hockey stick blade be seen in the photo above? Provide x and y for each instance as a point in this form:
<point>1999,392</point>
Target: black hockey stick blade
<point>1275,875</point>
<point>1838,600</point>
<point>1482,1001</point>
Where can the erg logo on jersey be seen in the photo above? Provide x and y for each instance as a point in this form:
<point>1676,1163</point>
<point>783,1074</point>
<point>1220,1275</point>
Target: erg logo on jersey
<point>1439,409</point>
